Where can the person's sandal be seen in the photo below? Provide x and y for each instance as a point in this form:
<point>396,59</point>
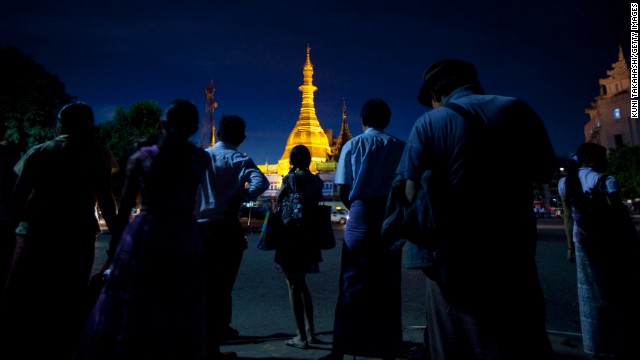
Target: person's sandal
<point>297,344</point>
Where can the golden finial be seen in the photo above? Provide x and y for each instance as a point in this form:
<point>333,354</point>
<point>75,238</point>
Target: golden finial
<point>620,54</point>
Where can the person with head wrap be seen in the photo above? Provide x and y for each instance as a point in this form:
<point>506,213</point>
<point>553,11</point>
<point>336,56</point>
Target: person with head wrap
<point>59,184</point>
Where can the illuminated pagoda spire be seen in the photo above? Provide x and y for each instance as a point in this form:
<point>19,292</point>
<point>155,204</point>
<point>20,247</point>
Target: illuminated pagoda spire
<point>345,134</point>
<point>307,130</point>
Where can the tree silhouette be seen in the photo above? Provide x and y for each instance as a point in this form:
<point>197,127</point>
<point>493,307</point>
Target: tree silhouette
<point>30,98</point>
<point>624,164</point>
<point>129,129</point>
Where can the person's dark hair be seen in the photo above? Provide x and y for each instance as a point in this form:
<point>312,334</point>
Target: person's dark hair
<point>571,163</point>
<point>181,118</point>
<point>375,113</point>
<point>300,157</point>
<point>76,118</point>
<point>231,129</point>
<point>592,155</point>
<point>587,155</point>
<point>443,77</point>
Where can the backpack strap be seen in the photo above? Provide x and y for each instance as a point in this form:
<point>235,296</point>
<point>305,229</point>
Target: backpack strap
<point>292,182</point>
<point>464,113</point>
<point>600,184</point>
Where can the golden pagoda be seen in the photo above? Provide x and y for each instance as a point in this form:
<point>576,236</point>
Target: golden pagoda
<point>307,130</point>
<point>325,150</point>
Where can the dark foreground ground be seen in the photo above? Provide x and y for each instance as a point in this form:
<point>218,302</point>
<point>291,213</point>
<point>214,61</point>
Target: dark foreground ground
<point>263,317</point>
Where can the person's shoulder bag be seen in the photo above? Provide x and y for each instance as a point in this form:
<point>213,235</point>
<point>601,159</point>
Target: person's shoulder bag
<point>293,204</point>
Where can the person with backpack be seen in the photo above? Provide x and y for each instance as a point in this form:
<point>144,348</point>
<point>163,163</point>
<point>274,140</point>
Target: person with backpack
<point>484,298</point>
<point>297,254</point>
<point>606,250</point>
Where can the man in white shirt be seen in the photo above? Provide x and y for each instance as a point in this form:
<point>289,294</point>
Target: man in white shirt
<point>232,179</point>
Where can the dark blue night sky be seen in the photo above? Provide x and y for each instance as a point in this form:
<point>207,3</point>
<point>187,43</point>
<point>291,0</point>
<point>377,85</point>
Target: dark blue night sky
<point>114,53</point>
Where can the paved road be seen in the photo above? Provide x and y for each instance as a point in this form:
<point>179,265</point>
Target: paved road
<point>558,278</point>
<point>262,313</point>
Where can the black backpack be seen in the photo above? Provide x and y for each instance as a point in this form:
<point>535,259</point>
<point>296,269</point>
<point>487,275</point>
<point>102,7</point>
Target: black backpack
<point>292,205</point>
<point>600,216</point>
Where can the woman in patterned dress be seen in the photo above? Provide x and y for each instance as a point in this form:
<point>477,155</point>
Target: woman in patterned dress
<point>152,306</point>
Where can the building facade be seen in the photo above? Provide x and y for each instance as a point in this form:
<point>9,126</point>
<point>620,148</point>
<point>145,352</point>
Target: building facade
<point>610,123</point>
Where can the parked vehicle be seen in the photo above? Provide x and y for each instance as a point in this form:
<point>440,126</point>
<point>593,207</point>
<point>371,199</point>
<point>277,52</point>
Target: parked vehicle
<point>340,216</point>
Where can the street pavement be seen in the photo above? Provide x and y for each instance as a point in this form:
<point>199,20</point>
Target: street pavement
<point>262,315</point>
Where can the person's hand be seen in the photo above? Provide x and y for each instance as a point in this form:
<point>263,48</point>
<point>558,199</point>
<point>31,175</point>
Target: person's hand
<point>571,255</point>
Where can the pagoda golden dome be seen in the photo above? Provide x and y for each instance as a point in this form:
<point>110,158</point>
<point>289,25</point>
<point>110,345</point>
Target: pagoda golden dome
<point>307,130</point>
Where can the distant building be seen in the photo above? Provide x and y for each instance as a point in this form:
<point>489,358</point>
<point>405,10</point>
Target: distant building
<point>610,123</point>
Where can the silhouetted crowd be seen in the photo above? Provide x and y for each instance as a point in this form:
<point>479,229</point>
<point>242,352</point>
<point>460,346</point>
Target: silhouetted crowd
<point>177,242</point>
